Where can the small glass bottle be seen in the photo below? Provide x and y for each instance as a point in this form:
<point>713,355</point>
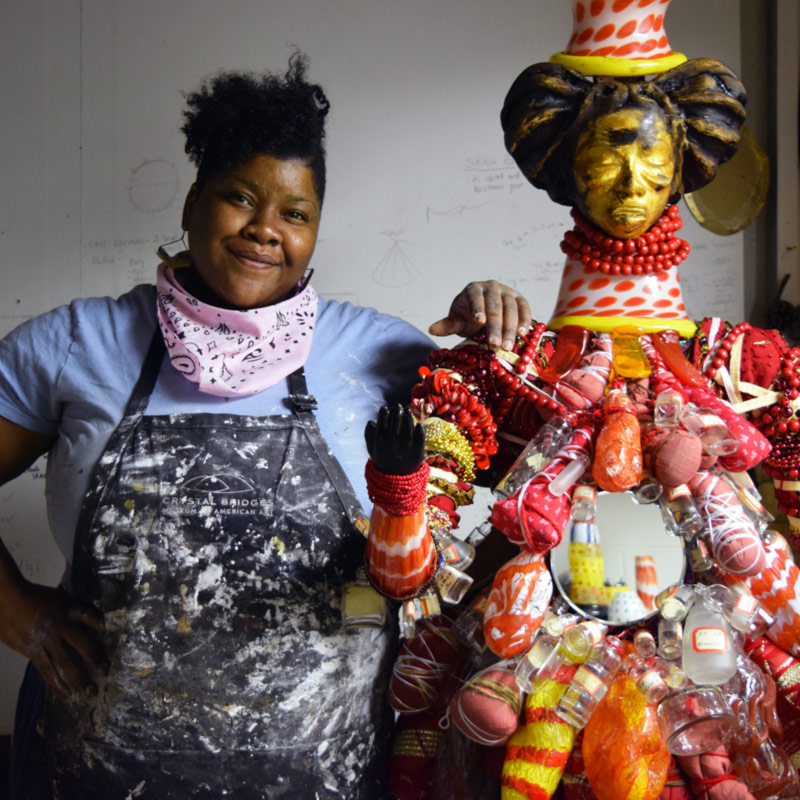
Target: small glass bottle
<point>628,357</point>
<point>709,657</point>
<point>590,682</point>
<point>668,408</point>
<point>539,451</point>
<point>452,584</point>
<point>479,533</point>
<point>532,661</point>
<point>648,490</point>
<point>571,473</point>
<point>469,624</point>
<point>644,644</point>
<point>574,646</point>
<point>699,558</point>
<point>738,605</point>
<point>648,675</point>
<point>675,601</point>
<point>679,512</point>
<point>457,553</point>
<point>747,492</point>
<point>670,639</point>
<point>584,505</point>
<point>714,434</point>
<point>556,624</point>
<point>362,605</point>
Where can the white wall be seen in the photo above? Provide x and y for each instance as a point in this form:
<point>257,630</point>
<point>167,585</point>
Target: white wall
<point>422,196</point>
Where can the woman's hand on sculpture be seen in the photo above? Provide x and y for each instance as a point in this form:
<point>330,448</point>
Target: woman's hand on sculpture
<point>60,638</point>
<point>503,311</point>
<point>396,442</point>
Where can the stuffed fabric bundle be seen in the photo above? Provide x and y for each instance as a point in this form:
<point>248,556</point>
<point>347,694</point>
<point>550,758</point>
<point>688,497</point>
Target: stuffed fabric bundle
<point>533,517</point>
<point>519,596</point>
<point>735,542</point>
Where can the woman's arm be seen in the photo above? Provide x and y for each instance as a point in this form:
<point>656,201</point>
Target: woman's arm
<point>41,622</point>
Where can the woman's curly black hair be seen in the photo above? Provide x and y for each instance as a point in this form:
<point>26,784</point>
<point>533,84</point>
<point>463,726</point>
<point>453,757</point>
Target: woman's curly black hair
<point>237,115</point>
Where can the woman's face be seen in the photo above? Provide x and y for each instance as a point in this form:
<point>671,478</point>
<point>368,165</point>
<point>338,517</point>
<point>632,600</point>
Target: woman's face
<point>252,230</point>
<point>624,166</point>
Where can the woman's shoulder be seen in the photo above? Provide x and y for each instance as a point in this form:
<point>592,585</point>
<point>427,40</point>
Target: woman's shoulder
<point>354,321</point>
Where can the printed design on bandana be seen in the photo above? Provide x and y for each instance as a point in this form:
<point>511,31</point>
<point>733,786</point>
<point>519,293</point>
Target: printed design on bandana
<point>229,352</point>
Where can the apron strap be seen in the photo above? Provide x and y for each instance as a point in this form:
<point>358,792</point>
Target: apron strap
<point>134,409</point>
<point>303,405</point>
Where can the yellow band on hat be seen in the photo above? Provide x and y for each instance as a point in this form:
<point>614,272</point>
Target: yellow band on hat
<point>618,67</point>
<point>685,327</point>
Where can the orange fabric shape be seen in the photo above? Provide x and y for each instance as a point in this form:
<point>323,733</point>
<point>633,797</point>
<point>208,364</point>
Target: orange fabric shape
<point>618,451</point>
<point>623,750</point>
<point>520,593</point>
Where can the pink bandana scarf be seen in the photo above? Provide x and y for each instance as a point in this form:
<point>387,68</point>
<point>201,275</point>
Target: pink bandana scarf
<point>231,353</point>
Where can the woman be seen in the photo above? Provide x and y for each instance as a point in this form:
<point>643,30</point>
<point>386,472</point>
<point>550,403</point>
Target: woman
<point>207,514</point>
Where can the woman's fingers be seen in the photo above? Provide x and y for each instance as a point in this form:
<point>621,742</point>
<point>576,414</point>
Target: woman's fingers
<point>503,311</point>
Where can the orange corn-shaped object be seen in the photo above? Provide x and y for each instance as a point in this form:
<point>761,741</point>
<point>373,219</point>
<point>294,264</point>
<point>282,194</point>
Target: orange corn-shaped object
<point>618,451</point>
<point>537,753</point>
<point>520,593</point>
<point>646,581</point>
<point>400,555</point>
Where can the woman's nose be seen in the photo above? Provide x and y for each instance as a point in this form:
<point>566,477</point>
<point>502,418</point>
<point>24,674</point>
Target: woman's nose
<point>263,228</point>
<point>631,182</point>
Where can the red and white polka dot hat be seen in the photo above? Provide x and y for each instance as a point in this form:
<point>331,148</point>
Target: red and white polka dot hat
<point>620,38</point>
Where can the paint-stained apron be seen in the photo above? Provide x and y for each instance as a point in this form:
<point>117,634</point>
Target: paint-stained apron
<point>217,548</point>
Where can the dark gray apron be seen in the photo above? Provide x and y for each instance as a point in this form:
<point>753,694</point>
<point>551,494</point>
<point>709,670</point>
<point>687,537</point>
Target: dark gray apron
<point>217,548</point>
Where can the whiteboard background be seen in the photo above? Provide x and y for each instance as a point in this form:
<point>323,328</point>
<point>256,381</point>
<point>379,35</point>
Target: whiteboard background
<point>421,198</point>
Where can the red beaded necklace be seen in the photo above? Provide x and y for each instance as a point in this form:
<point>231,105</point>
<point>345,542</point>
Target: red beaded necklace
<point>655,251</point>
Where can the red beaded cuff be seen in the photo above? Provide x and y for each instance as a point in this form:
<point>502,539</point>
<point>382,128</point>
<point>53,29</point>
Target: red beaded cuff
<point>398,495</point>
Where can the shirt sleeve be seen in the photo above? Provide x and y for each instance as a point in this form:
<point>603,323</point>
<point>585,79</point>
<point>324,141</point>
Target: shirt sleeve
<point>32,357</point>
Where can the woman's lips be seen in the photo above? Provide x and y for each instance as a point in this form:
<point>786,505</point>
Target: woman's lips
<point>254,259</point>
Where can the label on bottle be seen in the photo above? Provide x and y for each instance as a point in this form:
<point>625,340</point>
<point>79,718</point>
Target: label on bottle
<point>709,420</point>
<point>587,680</point>
<point>673,492</point>
<point>429,604</point>
<point>585,491</point>
<point>450,554</point>
<point>480,603</point>
<point>537,655</point>
<point>649,681</point>
<point>710,640</point>
<point>745,603</point>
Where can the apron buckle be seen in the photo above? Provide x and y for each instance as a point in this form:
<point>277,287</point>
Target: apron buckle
<point>303,402</point>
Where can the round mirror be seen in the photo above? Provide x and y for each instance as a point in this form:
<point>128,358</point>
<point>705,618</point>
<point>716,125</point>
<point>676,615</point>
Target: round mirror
<point>612,568</point>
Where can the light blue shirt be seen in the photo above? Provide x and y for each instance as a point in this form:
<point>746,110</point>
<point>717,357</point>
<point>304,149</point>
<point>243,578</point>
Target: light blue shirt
<point>69,373</point>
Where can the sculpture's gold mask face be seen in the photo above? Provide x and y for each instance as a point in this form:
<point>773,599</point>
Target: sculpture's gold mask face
<point>624,166</point>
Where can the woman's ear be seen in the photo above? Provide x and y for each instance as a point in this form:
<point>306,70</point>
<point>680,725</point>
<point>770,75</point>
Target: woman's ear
<point>188,205</point>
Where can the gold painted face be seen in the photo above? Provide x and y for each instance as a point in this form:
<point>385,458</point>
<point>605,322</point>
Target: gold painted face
<point>624,166</point>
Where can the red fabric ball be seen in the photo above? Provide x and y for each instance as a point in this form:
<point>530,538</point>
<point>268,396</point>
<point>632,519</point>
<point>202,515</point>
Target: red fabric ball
<point>486,710</point>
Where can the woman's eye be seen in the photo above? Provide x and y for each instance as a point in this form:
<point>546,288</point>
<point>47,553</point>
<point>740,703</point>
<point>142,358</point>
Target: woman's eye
<point>238,199</point>
<point>298,216</point>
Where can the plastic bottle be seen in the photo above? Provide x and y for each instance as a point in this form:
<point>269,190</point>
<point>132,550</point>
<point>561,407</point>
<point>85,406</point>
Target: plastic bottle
<point>714,434</point>
<point>590,682</point>
<point>679,512</point>
<point>709,656</point>
<point>584,503</point>
<point>548,440</point>
<point>668,408</point>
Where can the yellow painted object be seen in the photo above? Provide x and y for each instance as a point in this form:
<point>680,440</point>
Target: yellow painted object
<point>537,753</point>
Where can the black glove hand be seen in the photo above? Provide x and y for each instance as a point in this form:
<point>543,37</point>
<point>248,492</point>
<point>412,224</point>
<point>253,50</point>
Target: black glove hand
<point>396,442</point>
